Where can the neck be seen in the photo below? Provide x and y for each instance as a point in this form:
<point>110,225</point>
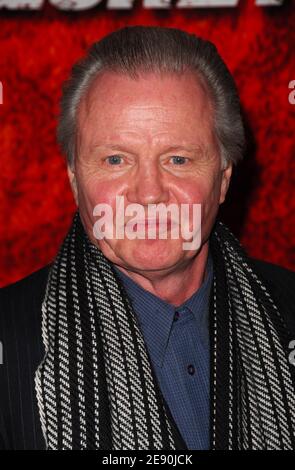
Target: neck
<point>176,286</point>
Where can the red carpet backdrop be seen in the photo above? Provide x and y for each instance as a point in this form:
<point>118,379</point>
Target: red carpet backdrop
<point>38,45</point>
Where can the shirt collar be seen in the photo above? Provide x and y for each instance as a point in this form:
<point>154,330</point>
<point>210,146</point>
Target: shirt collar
<point>156,317</point>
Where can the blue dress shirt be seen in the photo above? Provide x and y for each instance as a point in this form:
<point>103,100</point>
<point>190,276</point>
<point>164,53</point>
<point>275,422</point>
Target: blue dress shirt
<point>177,339</point>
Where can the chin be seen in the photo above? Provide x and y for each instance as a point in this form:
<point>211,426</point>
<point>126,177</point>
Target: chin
<point>150,254</point>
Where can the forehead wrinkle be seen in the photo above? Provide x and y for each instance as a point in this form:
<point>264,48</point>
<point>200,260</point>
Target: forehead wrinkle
<point>160,147</point>
<point>145,113</point>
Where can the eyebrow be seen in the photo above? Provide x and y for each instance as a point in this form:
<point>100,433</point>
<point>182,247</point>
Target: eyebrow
<point>188,148</point>
<point>171,148</point>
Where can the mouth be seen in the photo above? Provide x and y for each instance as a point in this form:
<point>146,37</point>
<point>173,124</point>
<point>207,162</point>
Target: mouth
<point>153,224</point>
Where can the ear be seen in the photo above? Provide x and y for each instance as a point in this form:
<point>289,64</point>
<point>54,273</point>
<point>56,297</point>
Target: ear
<point>73,182</point>
<point>226,176</point>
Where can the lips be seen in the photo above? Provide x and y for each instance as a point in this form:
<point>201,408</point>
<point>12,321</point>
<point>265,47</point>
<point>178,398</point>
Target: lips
<point>152,223</point>
<point>147,222</point>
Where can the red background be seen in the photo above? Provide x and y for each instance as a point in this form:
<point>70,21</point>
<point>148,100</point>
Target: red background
<point>37,51</point>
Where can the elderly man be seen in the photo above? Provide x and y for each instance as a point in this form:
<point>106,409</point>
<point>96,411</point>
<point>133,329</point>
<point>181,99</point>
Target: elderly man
<point>148,341</point>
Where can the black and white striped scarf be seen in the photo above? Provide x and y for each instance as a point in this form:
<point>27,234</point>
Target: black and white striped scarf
<point>96,388</point>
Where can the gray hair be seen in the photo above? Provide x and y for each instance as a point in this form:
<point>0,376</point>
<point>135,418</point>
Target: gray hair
<point>136,49</point>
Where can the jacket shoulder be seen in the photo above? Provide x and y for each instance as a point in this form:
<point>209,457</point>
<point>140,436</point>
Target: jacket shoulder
<point>22,352</point>
<point>274,272</point>
<point>281,284</point>
<point>23,299</point>
<point>28,285</point>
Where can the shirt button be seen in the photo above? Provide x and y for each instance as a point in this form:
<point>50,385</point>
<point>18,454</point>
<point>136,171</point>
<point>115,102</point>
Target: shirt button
<point>176,316</point>
<point>191,369</point>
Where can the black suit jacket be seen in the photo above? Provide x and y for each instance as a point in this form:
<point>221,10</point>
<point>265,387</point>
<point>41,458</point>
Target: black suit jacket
<point>23,350</point>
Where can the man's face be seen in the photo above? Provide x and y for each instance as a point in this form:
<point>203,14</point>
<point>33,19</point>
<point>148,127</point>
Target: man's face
<point>150,141</point>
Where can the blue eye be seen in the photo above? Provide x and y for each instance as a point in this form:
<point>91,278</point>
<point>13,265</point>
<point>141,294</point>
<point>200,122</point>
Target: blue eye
<point>179,160</point>
<point>114,159</point>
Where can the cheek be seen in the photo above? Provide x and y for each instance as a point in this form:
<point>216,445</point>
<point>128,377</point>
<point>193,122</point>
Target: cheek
<point>204,191</point>
<point>93,191</point>
<point>211,198</point>
<point>198,191</point>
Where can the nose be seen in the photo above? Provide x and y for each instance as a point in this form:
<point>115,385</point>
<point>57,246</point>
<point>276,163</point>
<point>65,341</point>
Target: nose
<point>149,185</point>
